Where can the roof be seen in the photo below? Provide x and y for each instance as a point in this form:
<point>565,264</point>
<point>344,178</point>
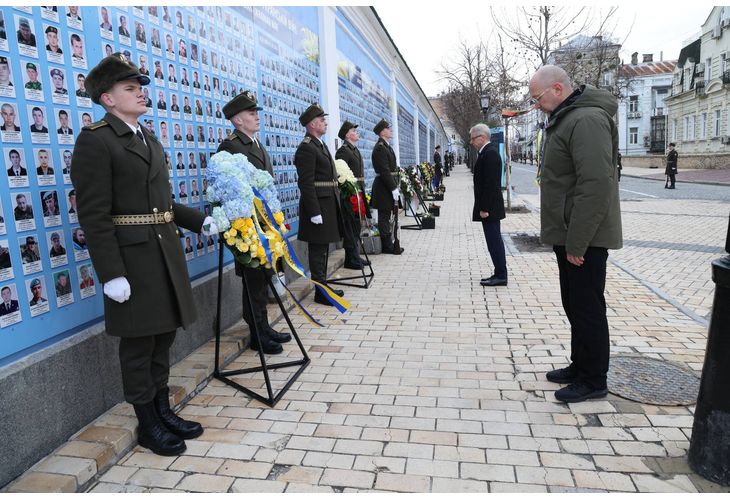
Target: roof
<point>647,69</point>
<point>692,50</point>
<point>584,42</point>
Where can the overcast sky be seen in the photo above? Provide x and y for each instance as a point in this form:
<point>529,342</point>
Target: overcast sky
<point>426,33</point>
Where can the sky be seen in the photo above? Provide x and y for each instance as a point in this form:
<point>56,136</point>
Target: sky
<point>427,35</point>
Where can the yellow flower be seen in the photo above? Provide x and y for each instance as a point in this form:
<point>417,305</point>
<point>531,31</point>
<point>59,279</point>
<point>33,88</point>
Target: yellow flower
<point>232,233</point>
<point>239,224</point>
<point>254,248</point>
<point>230,242</point>
<point>279,217</point>
<point>260,252</point>
<point>241,246</point>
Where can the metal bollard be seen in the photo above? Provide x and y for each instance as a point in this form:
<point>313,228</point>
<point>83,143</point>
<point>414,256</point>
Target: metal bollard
<point>709,449</point>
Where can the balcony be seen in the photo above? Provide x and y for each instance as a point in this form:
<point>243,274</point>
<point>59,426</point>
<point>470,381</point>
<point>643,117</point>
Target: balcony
<point>700,88</point>
<point>726,77</point>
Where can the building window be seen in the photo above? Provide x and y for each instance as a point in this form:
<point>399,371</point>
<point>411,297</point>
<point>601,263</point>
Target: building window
<point>634,135</point>
<point>691,131</point>
<point>716,127</point>
<point>674,130</point>
<point>708,69</point>
<point>633,103</point>
<point>687,79</point>
<point>723,66</point>
<point>703,126</point>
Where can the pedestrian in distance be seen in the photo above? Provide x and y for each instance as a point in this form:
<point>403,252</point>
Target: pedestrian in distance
<point>671,170</point>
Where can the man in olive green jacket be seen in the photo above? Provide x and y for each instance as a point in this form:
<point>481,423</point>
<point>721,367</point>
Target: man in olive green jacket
<point>581,218</point>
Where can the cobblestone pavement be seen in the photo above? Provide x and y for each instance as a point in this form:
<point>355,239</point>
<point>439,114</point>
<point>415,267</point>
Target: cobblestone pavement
<point>433,383</point>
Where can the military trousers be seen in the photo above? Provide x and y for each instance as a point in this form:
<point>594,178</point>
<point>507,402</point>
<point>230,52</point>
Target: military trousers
<point>145,363</point>
<point>351,233</point>
<point>318,261</point>
<point>386,230</point>
<point>256,283</point>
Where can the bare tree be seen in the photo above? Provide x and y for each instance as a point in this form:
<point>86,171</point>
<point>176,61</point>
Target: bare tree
<point>536,30</point>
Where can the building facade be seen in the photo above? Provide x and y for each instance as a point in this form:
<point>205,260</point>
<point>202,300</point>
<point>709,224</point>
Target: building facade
<point>699,104</point>
<point>642,112</point>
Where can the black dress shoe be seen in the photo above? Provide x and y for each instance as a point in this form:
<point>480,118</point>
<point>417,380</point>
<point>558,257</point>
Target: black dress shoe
<point>321,298</point>
<point>365,262</point>
<point>153,435</point>
<point>494,282</point>
<point>579,391</point>
<point>279,337</point>
<point>185,429</point>
<point>565,375</point>
<point>484,280</point>
<point>354,265</point>
<point>268,345</point>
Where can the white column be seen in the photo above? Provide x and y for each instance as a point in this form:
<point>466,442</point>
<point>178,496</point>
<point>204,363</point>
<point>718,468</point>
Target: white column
<point>328,73</point>
<point>394,117</point>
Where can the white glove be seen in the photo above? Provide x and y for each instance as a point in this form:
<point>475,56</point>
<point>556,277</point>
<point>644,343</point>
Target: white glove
<point>209,226</point>
<point>317,219</point>
<point>118,289</point>
<point>396,194</point>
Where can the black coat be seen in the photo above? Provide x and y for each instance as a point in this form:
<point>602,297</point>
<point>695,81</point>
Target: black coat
<point>385,165</point>
<point>671,163</point>
<point>315,164</point>
<point>114,173</point>
<point>238,142</point>
<point>488,185</point>
<point>352,156</point>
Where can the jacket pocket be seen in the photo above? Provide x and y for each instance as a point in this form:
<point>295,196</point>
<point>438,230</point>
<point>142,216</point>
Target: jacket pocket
<point>567,210</point>
<point>132,235</point>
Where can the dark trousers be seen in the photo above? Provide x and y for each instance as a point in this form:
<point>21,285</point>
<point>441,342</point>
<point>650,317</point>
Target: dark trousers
<point>386,231</point>
<point>256,282</point>
<point>145,363</point>
<point>581,291</point>
<point>351,233</point>
<point>671,179</point>
<point>495,245</point>
<point>318,261</point>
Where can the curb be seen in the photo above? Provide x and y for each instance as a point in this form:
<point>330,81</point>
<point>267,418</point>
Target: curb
<point>706,183</point>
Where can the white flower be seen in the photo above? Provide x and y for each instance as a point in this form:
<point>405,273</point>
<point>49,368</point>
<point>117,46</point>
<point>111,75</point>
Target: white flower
<point>344,174</point>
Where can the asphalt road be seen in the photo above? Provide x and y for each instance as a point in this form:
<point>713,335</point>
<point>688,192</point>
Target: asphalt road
<point>631,188</point>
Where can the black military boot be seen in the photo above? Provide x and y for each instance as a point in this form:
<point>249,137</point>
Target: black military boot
<point>184,429</point>
<point>152,434</point>
<point>321,298</point>
<point>279,337</point>
<point>268,345</point>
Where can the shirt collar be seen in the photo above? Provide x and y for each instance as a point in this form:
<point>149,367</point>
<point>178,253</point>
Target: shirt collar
<point>482,148</point>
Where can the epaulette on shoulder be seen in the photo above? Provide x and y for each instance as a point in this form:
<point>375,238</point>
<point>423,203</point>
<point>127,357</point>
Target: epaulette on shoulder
<point>307,140</point>
<point>96,125</point>
<point>231,137</point>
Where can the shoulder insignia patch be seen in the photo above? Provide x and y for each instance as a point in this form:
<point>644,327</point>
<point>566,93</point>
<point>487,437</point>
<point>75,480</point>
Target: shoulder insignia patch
<point>231,137</point>
<point>96,125</point>
<point>307,140</point>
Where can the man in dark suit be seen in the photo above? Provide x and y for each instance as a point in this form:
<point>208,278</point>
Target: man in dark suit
<point>351,155</point>
<point>119,169</point>
<point>320,217</point>
<point>243,112</point>
<point>488,201</point>
<point>385,186</point>
<point>8,305</point>
<point>437,167</point>
<point>16,169</point>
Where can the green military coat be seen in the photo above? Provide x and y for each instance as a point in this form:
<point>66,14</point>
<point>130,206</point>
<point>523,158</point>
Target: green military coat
<point>114,173</point>
<point>315,164</point>
<point>351,154</point>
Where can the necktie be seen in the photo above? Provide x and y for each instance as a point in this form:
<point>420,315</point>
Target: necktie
<point>140,136</point>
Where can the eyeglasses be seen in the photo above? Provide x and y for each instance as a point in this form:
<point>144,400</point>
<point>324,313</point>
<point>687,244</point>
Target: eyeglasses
<point>475,136</point>
<point>535,100</point>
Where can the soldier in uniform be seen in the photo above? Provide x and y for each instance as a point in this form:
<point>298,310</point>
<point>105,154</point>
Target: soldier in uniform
<point>32,83</point>
<point>385,188</point>
<point>671,169</point>
<point>349,153</point>
<point>320,217</point>
<point>125,206</point>
<point>243,112</point>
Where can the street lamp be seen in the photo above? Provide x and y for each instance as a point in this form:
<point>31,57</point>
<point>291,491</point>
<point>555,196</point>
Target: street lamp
<point>484,103</point>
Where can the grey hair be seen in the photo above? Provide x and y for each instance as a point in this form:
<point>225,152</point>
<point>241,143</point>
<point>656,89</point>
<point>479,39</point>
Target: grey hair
<point>480,128</point>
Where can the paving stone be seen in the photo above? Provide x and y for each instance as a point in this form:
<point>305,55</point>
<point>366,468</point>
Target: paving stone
<point>488,472</point>
<point>565,461</point>
<point>156,478</point>
<point>620,464</point>
<point>205,483</point>
<point>358,447</point>
<point>351,478</point>
<point>82,469</point>
<point>640,449</point>
<point>544,475</point>
<point>328,460</point>
<point>235,451</point>
<point>449,485</point>
<point>678,484</point>
<point>102,453</point>
<point>148,460</point>
<point>380,464</point>
<point>403,482</point>
<point>119,439</point>
<point>257,485</point>
<point>297,474</point>
<point>207,465</point>
<point>43,482</point>
<point>408,450</point>
<point>121,488</point>
<point>609,481</point>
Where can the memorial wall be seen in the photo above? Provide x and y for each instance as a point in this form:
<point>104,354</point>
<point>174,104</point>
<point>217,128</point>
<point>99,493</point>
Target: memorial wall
<point>198,58</point>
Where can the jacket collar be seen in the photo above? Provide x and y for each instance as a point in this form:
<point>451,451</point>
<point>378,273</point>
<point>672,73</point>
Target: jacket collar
<point>134,145</point>
<point>563,106</point>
